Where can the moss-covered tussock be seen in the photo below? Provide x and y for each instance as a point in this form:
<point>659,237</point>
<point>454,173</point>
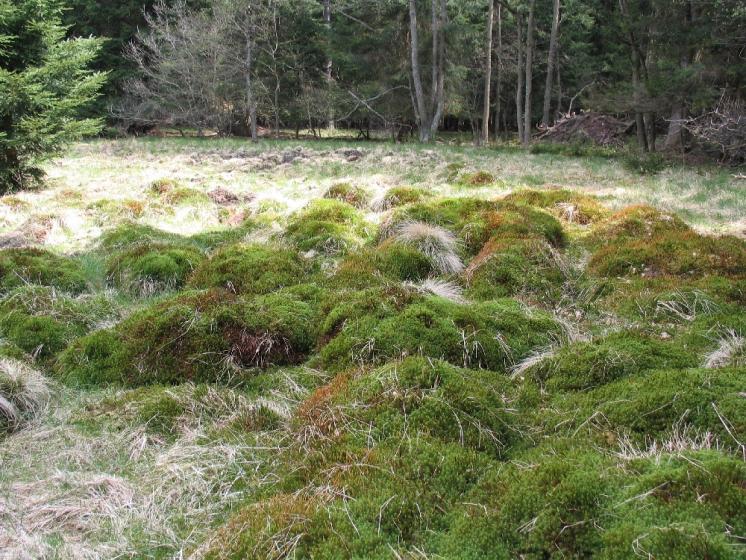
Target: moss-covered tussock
<point>570,206</point>
<point>195,336</point>
<point>42,321</point>
<point>251,269</point>
<point>381,324</point>
<point>327,226</point>
<point>19,267</point>
<point>476,221</point>
<point>147,268</point>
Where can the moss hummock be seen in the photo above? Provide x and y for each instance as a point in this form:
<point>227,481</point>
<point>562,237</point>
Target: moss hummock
<point>251,269</point>
<point>19,267</point>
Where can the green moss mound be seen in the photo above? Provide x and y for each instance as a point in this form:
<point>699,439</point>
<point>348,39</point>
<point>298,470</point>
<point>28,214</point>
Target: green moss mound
<point>571,206</point>
<point>476,221</point>
<point>422,397</point>
<point>378,325</point>
<point>388,262</point>
<point>149,268</point>
<point>42,321</point>
<point>401,196</point>
<point>641,222</point>
<point>685,254</point>
<point>560,503</point>
<point>348,193</point>
<point>509,267</point>
<point>198,336</point>
<point>19,267</point>
<point>477,179</point>
<point>651,405</point>
<point>251,269</point>
<point>463,216</point>
<point>326,226</point>
<point>128,234</point>
<point>584,365</point>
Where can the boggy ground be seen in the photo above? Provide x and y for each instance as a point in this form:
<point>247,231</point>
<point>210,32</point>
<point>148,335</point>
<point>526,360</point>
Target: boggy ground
<point>319,355</point>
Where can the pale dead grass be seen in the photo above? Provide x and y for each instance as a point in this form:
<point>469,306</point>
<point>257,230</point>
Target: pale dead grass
<point>68,493</point>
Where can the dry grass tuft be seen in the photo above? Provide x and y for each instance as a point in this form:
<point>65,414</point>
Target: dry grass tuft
<point>731,351</point>
<point>437,243</point>
<point>24,393</point>
<point>441,288</point>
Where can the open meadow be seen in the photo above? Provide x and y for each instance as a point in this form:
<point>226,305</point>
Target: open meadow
<point>333,349</point>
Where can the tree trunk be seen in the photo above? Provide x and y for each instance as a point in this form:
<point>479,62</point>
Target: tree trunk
<point>639,119</point>
<point>250,101</point>
<point>527,126</point>
<point>419,94</point>
<point>498,78</point>
<point>519,80</point>
<point>328,64</point>
<point>428,114</point>
<point>551,60</point>
<point>488,75</point>
<point>439,82</point>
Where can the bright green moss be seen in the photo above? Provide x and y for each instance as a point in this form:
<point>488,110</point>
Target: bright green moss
<point>571,206</point>
<point>251,269</point>
<point>465,217</point>
<point>476,221</point>
<point>42,321</point>
<point>351,194</point>
<point>128,234</point>
<point>19,267</point>
<point>485,335</point>
<point>195,336</point>
<point>400,196</point>
<point>96,359</point>
<point>686,254</point>
<point>149,268</point>
<point>508,267</point>
<point>584,365</point>
<point>649,405</point>
<point>423,397</point>
<point>389,261</point>
<point>326,226</point>
<point>183,196</point>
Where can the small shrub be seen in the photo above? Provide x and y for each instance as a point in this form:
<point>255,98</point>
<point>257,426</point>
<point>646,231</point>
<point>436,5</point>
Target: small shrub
<point>250,269</point>
<point>645,164</point>
<point>19,267</point>
<point>23,394</point>
<point>345,192</point>
<point>149,268</point>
